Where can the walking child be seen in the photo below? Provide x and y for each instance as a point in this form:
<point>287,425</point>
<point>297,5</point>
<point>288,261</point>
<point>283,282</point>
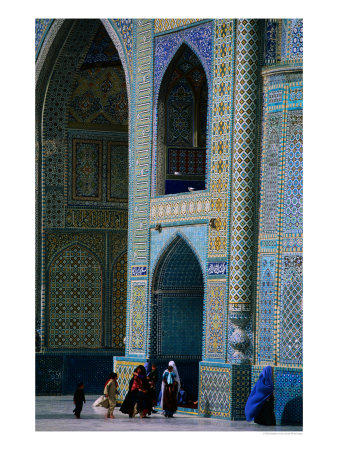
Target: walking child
<point>110,390</point>
<point>79,399</point>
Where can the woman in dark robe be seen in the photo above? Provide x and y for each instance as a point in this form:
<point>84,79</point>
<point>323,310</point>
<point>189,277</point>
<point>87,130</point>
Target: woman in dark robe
<point>135,385</point>
<point>260,404</point>
<point>169,390</point>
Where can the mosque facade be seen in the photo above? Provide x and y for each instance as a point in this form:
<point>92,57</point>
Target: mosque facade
<point>169,206</point>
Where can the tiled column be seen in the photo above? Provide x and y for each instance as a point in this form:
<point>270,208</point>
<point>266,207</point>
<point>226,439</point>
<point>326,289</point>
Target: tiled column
<point>243,191</point>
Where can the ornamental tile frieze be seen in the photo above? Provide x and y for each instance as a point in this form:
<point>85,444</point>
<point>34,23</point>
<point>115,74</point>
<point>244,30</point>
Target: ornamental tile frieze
<point>104,219</point>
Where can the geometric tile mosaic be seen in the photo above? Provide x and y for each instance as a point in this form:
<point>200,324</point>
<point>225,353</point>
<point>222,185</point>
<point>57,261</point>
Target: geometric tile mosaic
<point>141,143</point>
<point>169,24</point>
<point>291,310</point>
<point>215,320</point>
<point>119,301</point>
<point>125,371</point>
<point>266,310</point>
<point>220,131</point>
<point>41,27</point>
<point>87,169</point>
<point>292,40</point>
<point>270,163</point>
<point>293,191</point>
<point>288,396</point>
<point>270,41</point>
<point>244,162</point>
<point>75,293</point>
<point>215,391</point>
<point>125,27</point>
<point>138,309</point>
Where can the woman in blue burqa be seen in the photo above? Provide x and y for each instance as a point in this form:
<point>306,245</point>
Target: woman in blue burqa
<point>260,404</point>
<point>169,390</point>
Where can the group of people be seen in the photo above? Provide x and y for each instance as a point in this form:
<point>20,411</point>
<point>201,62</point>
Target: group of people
<point>141,397</point>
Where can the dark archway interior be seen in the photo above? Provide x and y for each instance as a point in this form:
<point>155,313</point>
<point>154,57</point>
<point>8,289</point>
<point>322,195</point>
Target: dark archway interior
<point>177,313</point>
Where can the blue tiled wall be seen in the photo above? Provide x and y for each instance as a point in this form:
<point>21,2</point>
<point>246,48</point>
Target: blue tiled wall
<point>182,325</point>
<point>197,235</point>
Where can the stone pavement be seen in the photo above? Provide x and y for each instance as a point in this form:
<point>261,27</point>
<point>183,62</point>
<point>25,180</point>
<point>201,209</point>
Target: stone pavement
<point>54,413</point>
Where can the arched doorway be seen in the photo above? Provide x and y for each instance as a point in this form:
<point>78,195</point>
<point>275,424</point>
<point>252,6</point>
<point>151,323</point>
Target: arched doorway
<point>177,313</point>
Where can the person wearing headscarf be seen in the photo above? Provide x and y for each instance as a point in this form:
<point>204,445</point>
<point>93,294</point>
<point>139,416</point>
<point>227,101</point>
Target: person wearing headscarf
<point>136,384</point>
<point>260,404</point>
<point>170,388</point>
<point>147,366</point>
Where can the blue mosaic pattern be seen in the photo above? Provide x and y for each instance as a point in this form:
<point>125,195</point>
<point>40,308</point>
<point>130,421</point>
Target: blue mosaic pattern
<point>270,41</point>
<point>199,38</point>
<point>101,49</point>
<point>293,196</point>
<point>288,396</point>
<point>75,292</point>
<point>41,28</point>
<point>215,391</point>
<point>291,310</point>
<point>181,268</point>
<point>87,169</point>
<point>221,136</point>
<point>125,27</point>
<point>195,236</point>
<point>178,338</point>
<point>266,314</point>
<point>292,40</point>
<point>178,292</point>
<point>215,320</point>
<point>138,310</point>
<point>180,117</point>
<point>271,171</point>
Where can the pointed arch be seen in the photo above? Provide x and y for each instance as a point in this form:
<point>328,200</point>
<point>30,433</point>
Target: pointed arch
<point>179,149</point>
<point>177,302</point>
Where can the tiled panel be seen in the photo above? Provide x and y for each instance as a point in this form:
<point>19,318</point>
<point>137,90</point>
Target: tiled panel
<point>41,28</point>
<point>119,301</point>
<point>195,235</point>
<point>142,142</point>
<point>291,310</point>
<point>181,268</point>
<point>292,40</point>
<point>75,293</point>
<point>267,310</point>
<point>179,335</point>
<point>125,370</point>
<point>271,41</point>
<point>293,191</point>
<point>221,135</point>
<point>215,320</point>
<point>162,25</point>
<point>117,171</point>
<point>244,163</point>
<point>138,311</point>
<point>215,391</point>
<point>180,208</point>
<point>288,395</point>
<point>87,170</point>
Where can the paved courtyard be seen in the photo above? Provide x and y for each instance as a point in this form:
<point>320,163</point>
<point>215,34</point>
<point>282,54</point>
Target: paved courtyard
<point>55,414</point>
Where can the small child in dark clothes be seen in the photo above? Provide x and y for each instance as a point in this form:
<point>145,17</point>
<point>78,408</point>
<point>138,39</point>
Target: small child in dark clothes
<point>79,399</point>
